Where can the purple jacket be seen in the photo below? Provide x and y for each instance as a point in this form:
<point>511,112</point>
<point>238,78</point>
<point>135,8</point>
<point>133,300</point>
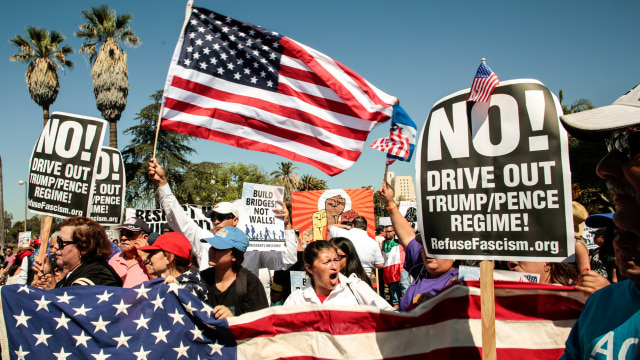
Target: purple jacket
<point>421,283</point>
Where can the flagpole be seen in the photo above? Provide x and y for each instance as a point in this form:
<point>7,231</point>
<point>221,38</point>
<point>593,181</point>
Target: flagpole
<point>184,25</point>
<point>386,170</point>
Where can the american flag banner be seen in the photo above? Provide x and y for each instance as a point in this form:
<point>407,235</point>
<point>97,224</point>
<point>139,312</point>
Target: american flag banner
<point>252,88</point>
<point>483,83</point>
<point>156,321</point>
<point>402,137</point>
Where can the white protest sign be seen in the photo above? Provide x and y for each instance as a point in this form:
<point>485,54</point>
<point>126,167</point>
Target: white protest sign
<point>107,202</point>
<point>473,273</point>
<point>24,238</point>
<point>257,219</point>
<point>493,177</point>
<point>63,163</point>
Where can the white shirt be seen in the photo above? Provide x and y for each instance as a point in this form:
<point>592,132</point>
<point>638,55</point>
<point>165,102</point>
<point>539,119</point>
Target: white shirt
<point>357,292</point>
<point>366,247</point>
<point>180,221</point>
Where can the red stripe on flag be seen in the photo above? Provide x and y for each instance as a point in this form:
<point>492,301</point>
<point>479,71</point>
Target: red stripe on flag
<point>258,125</point>
<point>245,143</point>
<point>362,83</point>
<point>292,49</point>
<point>287,112</point>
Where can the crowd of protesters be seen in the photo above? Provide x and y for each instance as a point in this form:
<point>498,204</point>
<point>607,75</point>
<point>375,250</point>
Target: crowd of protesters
<point>216,266</point>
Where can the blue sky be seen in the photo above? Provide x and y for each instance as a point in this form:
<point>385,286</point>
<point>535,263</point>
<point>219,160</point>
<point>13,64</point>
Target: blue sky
<point>419,51</point>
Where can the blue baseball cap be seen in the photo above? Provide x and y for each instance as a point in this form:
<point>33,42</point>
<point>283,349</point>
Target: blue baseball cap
<point>227,238</point>
<point>600,220</point>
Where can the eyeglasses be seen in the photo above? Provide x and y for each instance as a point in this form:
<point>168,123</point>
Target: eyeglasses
<point>61,243</point>
<point>389,231</point>
<point>222,217</point>
<point>147,260</point>
<point>129,234</point>
<point>626,143</point>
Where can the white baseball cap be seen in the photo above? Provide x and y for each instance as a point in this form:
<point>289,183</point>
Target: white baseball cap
<point>598,123</point>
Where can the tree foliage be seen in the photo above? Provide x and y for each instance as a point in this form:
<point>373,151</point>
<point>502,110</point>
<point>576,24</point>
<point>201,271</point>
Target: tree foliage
<point>104,29</point>
<point>286,176</point>
<point>587,187</point>
<point>45,54</point>
<point>310,183</point>
<point>208,183</point>
<point>171,152</point>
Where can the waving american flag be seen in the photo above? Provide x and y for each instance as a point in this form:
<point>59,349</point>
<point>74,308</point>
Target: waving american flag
<point>252,88</point>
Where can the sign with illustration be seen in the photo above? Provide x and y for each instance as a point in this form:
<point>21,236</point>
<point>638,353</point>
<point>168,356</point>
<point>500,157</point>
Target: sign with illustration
<point>313,211</point>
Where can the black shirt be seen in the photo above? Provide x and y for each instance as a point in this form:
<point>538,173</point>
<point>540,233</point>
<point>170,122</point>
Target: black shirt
<point>254,299</point>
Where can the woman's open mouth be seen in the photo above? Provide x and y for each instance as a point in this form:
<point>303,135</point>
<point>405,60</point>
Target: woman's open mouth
<point>333,278</point>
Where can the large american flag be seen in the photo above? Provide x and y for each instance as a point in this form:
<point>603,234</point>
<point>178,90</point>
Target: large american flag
<point>483,84</point>
<point>158,321</point>
<point>246,86</point>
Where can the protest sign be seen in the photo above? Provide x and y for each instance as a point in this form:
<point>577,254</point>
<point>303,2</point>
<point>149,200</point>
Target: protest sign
<point>107,202</point>
<point>467,273</point>
<point>24,238</point>
<point>157,219</point>
<point>314,211</point>
<point>493,177</point>
<point>257,219</point>
<point>63,163</point>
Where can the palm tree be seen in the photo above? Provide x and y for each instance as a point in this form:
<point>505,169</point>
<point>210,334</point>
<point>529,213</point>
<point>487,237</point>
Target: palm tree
<point>287,177</point>
<point>45,54</point>
<point>577,106</point>
<point>105,29</point>
<point>310,183</point>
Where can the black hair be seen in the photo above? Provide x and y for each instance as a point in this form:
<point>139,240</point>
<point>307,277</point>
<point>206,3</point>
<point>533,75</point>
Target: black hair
<point>360,222</point>
<point>313,249</point>
<point>239,256</point>
<point>354,265</point>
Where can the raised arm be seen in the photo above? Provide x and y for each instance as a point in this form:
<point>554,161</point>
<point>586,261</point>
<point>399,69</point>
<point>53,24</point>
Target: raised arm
<point>404,231</point>
<point>177,218</point>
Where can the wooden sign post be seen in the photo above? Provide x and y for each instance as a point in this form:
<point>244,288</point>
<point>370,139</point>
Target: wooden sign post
<point>487,310</point>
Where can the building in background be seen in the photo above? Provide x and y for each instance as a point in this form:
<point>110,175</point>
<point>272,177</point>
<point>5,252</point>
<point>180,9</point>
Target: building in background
<point>403,187</point>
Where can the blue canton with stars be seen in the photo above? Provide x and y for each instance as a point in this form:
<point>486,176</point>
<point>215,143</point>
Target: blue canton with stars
<point>231,50</point>
<point>151,321</point>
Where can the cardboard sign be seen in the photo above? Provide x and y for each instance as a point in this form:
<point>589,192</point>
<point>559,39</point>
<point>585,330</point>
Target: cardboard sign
<point>493,177</point>
<point>313,211</point>
<point>63,163</point>
<point>24,238</point>
<point>107,202</point>
<point>257,219</point>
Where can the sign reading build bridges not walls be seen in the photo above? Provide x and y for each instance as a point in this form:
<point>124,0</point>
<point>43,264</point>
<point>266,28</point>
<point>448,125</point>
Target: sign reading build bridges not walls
<point>493,177</point>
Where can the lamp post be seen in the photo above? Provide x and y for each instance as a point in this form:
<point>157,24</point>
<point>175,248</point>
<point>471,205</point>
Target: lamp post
<point>25,203</point>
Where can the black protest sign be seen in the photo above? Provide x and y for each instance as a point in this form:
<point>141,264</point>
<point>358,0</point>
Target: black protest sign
<point>108,191</point>
<point>157,219</point>
<point>61,169</point>
<point>493,177</point>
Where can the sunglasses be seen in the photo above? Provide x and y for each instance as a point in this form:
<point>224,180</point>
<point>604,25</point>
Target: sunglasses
<point>61,243</point>
<point>222,217</point>
<point>626,143</point>
<point>129,234</point>
<point>147,260</point>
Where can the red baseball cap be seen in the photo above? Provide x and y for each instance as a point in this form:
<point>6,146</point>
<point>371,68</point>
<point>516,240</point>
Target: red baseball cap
<point>171,242</point>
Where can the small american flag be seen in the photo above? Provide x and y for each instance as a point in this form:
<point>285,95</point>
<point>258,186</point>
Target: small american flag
<point>252,88</point>
<point>483,84</point>
<point>402,137</point>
